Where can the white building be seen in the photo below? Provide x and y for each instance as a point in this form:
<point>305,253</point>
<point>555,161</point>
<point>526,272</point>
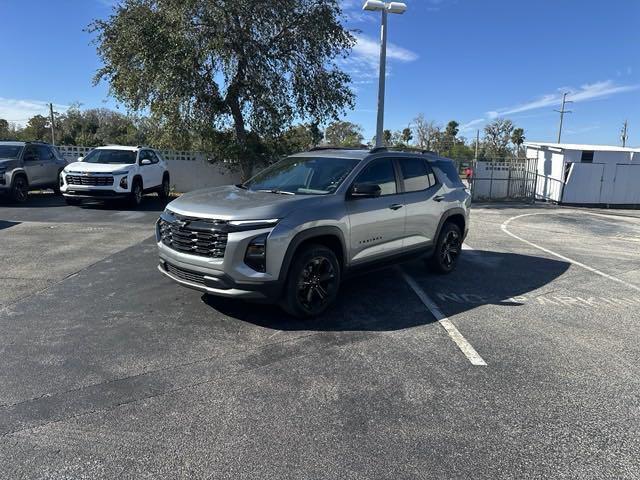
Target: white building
<point>586,174</point>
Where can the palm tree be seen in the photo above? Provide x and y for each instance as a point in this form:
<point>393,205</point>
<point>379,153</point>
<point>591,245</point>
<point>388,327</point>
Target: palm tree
<point>517,138</point>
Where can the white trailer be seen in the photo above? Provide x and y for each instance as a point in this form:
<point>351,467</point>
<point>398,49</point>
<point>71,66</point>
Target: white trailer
<point>586,174</point>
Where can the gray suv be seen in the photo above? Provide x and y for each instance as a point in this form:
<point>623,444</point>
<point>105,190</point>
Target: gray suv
<point>292,232</point>
<point>27,166</point>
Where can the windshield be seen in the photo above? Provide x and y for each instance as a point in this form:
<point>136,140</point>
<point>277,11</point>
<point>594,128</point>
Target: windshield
<point>110,156</point>
<point>10,151</point>
<point>303,176</point>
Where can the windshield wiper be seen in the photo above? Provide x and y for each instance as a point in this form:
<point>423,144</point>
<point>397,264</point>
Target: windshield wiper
<point>279,192</point>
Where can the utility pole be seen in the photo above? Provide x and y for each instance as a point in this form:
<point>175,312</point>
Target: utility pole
<point>562,111</point>
<point>624,135</point>
<point>477,144</point>
<point>53,135</point>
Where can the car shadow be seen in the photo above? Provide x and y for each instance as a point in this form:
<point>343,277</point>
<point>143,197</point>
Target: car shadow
<point>150,203</point>
<point>381,300</point>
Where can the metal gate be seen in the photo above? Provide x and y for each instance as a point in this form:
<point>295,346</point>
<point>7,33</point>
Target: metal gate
<point>511,180</point>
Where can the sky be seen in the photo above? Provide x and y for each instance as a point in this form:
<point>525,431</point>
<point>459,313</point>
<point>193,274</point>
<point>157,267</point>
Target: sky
<point>464,60</point>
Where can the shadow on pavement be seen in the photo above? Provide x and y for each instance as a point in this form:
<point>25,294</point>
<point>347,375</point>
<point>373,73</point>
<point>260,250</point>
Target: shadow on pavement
<point>150,203</point>
<point>382,301</point>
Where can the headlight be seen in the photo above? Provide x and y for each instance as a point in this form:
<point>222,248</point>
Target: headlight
<point>256,254</point>
<point>253,224</point>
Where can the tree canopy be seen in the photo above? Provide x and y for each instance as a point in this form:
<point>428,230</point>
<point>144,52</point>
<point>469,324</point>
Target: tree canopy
<point>251,66</point>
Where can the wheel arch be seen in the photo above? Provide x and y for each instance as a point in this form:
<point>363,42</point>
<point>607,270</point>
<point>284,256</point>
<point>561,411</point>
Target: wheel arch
<point>455,215</point>
<point>328,236</point>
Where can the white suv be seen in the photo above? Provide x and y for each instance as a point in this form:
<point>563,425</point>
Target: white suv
<point>115,172</point>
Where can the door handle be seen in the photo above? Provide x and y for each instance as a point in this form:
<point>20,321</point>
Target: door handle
<point>395,206</point>
<point>438,198</point>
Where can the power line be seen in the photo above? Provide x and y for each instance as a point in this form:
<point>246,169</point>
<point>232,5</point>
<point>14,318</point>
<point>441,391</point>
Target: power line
<point>562,111</point>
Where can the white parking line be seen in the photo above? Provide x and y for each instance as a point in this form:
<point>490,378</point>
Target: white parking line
<point>562,257</point>
<point>450,328</point>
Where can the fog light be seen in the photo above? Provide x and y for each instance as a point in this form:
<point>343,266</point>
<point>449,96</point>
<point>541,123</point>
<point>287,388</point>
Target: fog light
<point>257,253</point>
<point>123,183</point>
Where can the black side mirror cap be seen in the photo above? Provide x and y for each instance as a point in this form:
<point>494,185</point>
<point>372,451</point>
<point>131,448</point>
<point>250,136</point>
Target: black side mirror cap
<point>365,190</point>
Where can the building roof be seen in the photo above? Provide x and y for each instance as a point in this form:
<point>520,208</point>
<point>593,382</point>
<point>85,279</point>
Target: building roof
<point>575,146</point>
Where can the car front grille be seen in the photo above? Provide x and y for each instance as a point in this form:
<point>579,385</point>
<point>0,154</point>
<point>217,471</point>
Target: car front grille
<point>189,236</point>
<point>187,275</point>
<point>94,181</point>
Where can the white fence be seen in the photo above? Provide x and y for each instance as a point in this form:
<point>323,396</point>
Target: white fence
<point>500,180</point>
<point>189,170</point>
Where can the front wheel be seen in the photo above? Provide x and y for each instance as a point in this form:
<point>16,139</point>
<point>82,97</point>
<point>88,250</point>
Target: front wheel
<point>135,197</point>
<point>19,189</point>
<point>313,282</point>
<point>448,249</point>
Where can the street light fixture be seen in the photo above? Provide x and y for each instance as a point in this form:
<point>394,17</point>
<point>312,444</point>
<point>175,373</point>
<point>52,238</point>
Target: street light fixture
<point>385,8</point>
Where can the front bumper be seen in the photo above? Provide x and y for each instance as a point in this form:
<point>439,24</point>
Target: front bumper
<point>94,194</point>
<point>220,285</point>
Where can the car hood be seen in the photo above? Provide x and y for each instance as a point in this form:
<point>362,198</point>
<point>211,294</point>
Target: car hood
<point>96,167</point>
<point>233,203</point>
<point>8,163</point>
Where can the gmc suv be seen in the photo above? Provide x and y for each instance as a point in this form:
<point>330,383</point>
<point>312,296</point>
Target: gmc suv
<point>115,172</point>
<point>292,232</point>
<point>28,166</point>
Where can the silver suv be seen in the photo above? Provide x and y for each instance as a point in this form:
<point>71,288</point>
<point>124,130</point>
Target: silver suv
<point>292,232</point>
<point>28,166</point>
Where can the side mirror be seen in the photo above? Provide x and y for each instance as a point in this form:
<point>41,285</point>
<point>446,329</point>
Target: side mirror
<point>145,161</point>
<point>365,190</point>
<point>80,159</point>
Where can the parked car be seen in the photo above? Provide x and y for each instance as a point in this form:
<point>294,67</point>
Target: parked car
<point>116,172</point>
<point>291,233</point>
<point>26,166</point>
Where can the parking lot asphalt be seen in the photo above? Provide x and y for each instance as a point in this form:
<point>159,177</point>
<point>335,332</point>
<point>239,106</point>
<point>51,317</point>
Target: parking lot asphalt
<point>108,369</point>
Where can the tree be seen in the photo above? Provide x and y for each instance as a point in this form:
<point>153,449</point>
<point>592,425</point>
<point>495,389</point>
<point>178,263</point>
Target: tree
<point>37,128</point>
<point>517,138</point>
<point>451,129</point>
<point>252,65</point>
<point>407,136</point>
<point>4,129</point>
<point>344,134</point>
<point>497,136</point>
<point>425,131</point>
<point>387,137</point>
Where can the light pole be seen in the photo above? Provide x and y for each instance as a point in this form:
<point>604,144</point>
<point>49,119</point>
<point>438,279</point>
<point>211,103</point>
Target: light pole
<point>385,8</point>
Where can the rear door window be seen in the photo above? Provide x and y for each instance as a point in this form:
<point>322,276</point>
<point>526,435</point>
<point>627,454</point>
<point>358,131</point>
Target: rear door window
<point>417,174</point>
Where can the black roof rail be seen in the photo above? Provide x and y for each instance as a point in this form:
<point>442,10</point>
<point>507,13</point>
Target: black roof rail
<point>330,147</point>
<point>378,149</point>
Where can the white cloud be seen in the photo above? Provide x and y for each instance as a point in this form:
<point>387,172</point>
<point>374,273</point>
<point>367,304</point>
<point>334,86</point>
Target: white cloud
<point>590,91</point>
<point>472,124</point>
<point>20,111</point>
<point>363,63</point>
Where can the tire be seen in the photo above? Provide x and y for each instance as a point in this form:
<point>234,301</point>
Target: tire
<point>56,187</point>
<point>19,189</point>
<point>448,248</point>
<point>135,197</point>
<point>312,283</point>
<point>72,201</point>
<point>165,188</point>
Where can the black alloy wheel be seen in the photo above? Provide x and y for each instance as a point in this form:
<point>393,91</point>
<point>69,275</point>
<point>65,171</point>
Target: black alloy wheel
<point>19,189</point>
<point>314,281</point>
<point>448,249</point>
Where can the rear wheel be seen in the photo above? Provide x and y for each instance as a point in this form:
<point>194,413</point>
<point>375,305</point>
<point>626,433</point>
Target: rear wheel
<point>165,189</point>
<point>19,189</point>
<point>448,249</point>
<point>312,283</point>
<point>135,197</point>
